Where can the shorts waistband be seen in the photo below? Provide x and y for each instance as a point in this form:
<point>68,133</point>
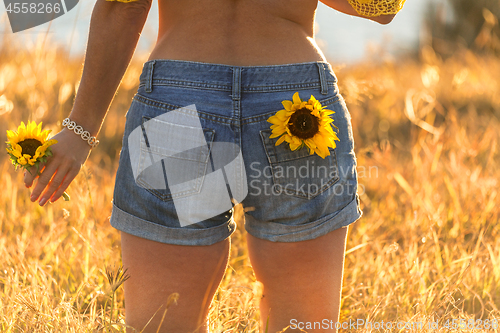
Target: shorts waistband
<point>240,78</point>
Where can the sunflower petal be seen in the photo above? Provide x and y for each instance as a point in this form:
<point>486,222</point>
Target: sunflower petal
<point>283,114</point>
<point>276,134</point>
<point>275,120</point>
<point>12,136</point>
<point>22,160</point>
<point>44,135</point>
<point>295,140</point>
<point>280,140</point>
<point>38,153</point>
<point>17,150</point>
<point>326,121</point>
<point>294,146</point>
<point>296,98</point>
<point>278,128</point>
<point>50,142</point>
<point>322,151</point>
<point>288,138</point>
<point>287,105</point>
<point>310,143</point>
<point>31,129</point>
<point>21,132</point>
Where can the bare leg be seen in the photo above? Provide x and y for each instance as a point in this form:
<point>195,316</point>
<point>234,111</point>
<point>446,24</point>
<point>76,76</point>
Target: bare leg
<point>302,281</point>
<point>157,270</point>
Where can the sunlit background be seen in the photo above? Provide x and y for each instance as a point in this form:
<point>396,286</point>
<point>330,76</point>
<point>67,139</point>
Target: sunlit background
<point>342,38</point>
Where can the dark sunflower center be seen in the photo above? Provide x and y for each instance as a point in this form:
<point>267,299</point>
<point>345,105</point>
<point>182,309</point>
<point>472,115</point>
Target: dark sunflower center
<point>303,124</point>
<point>29,146</point>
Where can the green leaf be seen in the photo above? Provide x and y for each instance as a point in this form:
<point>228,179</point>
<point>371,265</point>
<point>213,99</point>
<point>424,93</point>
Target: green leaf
<point>66,196</point>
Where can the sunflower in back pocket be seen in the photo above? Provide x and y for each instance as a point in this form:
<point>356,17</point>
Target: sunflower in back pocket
<point>304,123</point>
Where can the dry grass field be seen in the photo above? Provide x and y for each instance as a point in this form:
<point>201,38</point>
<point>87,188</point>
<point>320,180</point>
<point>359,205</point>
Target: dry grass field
<point>427,249</point>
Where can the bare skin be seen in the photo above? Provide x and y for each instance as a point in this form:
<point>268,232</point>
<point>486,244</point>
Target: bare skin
<point>160,270</point>
<point>301,280</point>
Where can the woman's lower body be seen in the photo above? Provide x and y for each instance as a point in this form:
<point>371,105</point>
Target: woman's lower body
<point>197,141</point>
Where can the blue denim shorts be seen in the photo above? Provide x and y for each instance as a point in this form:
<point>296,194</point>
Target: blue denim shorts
<point>197,141</point>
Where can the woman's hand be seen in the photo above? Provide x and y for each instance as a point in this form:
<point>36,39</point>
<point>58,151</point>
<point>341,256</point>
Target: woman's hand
<point>69,154</point>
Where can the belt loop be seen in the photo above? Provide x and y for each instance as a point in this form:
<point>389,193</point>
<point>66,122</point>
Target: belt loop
<point>236,92</point>
<point>322,78</point>
<point>149,78</point>
<point>330,70</point>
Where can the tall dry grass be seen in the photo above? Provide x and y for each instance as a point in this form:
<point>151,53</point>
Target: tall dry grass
<point>427,248</point>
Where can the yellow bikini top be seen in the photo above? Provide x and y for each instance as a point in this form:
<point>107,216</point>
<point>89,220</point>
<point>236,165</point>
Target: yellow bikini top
<point>377,7</point>
<point>363,7</point>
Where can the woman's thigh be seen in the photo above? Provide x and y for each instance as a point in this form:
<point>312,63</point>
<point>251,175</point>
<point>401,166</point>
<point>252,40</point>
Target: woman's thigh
<point>189,274</point>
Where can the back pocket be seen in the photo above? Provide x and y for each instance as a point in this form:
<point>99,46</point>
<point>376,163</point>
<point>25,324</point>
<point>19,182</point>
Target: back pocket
<point>297,172</point>
<point>172,158</point>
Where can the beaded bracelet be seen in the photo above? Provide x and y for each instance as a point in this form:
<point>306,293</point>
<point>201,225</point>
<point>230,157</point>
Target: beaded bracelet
<point>85,135</point>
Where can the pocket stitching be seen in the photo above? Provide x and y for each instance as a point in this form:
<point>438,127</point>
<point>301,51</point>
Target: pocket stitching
<point>151,102</point>
<point>275,164</point>
<point>201,171</point>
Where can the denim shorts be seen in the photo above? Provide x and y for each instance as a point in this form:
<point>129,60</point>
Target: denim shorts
<point>197,141</point>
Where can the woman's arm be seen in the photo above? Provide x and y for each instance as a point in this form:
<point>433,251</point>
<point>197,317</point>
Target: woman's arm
<point>115,28</point>
<point>344,7</point>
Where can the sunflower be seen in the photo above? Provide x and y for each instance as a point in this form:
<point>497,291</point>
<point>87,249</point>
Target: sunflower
<point>304,123</point>
<point>29,145</point>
